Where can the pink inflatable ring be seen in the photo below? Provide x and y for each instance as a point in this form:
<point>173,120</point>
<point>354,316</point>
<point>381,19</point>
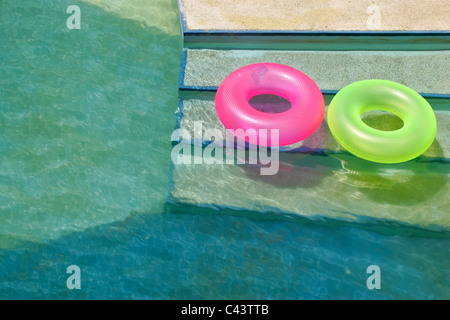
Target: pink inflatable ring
<point>295,124</point>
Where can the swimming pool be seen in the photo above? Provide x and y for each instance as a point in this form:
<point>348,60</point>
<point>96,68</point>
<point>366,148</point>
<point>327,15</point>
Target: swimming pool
<point>85,127</point>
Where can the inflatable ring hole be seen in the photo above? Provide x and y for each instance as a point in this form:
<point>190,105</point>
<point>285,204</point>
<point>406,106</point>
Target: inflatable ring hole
<point>382,120</point>
<point>269,103</point>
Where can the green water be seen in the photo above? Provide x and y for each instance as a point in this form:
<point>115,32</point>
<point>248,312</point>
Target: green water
<point>85,116</point>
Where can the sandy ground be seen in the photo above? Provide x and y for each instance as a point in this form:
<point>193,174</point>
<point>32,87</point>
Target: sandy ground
<point>317,14</point>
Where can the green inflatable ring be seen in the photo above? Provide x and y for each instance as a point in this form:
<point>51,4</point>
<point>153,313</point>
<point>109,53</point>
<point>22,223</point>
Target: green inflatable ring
<point>413,139</point>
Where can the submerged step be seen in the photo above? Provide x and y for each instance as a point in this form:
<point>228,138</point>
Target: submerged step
<point>310,178</point>
<point>423,71</point>
<point>196,114</point>
<point>338,187</point>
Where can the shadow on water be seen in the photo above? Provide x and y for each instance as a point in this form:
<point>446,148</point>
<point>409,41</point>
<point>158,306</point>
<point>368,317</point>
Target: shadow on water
<point>301,165</point>
<point>379,226</point>
<point>294,170</point>
<point>406,184</point>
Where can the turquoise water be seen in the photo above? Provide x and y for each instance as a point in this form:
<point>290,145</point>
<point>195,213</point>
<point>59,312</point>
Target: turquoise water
<point>85,123</point>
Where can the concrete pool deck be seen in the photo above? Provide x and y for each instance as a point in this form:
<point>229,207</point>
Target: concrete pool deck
<point>331,15</point>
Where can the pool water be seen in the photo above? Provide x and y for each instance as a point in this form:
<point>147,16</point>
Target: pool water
<point>86,118</point>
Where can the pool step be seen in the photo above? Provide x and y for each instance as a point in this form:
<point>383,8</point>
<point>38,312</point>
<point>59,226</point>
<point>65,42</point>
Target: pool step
<point>311,178</point>
<point>312,40</point>
<point>196,114</point>
<point>320,188</point>
<point>424,71</point>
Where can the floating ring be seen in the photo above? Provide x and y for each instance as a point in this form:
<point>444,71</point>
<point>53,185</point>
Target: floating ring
<point>295,124</point>
<point>410,141</point>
